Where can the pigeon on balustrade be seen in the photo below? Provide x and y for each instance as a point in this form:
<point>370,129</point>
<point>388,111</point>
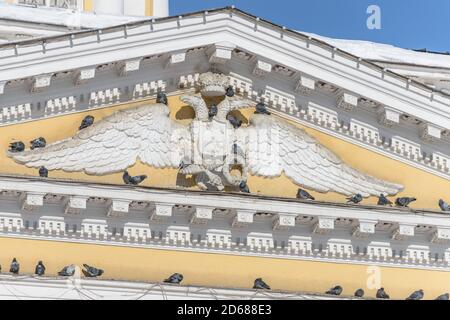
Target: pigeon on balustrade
<point>304,195</point>
<point>357,198</point>
<point>416,295</point>
<point>161,97</point>
<point>261,108</point>
<point>444,206</point>
<point>383,201</point>
<point>38,143</point>
<point>230,92</point>
<point>87,122</point>
<point>213,111</point>
<point>67,271</point>
<point>15,266</point>
<point>92,272</point>
<point>243,187</point>
<point>176,278</point>
<point>16,147</point>
<point>40,269</point>
<point>234,121</point>
<point>260,285</point>
<point>336,291</point>
<point>444,296</point>
<point>134,181</point>
<point>359,293</point>
<point>404,202</point>
<point>43,172</point>
<point>381,294</point>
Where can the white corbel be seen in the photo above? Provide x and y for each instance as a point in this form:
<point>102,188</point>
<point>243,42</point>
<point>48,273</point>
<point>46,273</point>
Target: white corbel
<point>176,58</point>
<point>262,68</point>
<point>364,229</point>
<point>128,66</point>
<point>76,204</point>
<point>243,218</point>
<point>283,222</point>
<point>347,101</point>
<point>305,85</point>
<point>388,117</point>
<point>162,211</point>
<point>84,75</point>
<point>403,231</point>
<point>430,132</point>
<point>202,215</point>
<point>32,201</point>
<point>441,235</point>
<point>41,82</point>
<point>221,53</point>
<point>2,87</point>
<point>324,225</point>
<point>118,207</point>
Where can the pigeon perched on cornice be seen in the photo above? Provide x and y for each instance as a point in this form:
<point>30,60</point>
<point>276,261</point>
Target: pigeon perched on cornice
<point>38,143</point>
<point>335,291</point>
<point>15,267</point>
<point>359,293</point>
<point>383,201</point>
<point>234,121</point>
<point>92,272</point>
<point>87,122</point>
<point>357,198</point>
<point>134,181</point>
<point>16,147</point>
<point>161,97</point>
<point>213,111</point>
<point>304,195</point>
<point>416,295</point>
<point>67,271</point>
<point>43,172</point>
<point>444,206</point>
<point>40,269</point>
<point>243,187</point>
<point>444,296</point>
<point>261,108</point>
<point>230,92</point>
<point>404,202</point>
<point>176,278</point>
<point>381,294</point>
<point>260,285</point>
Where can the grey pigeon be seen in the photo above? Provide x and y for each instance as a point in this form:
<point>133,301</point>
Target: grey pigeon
<point>92,272</point>
<point>404,202</point>
<point>336,291</point>
<point>304,195</point>
<point>40,269</point>
<point>15,266</point>
<point>230,92</point>
<point>444,206</point>
<point>67,271</point>
<point>357,198</point>
<point>16,147</point>
<point>381,294</point>
<point>261,108</point>
<point>87,122</point>
<point>38,143</point>
<point>383,201</point>
<point>260,285</point>
<point>243,187</point>
<point>134,181</point>
<point>213,111</point>
<point>444,296</point>
<point>43,172</point>
<point>176,278</point>
<point>234,121</point>
<point>359,293</point>
<point>162,98</point>
<point>416,295</point>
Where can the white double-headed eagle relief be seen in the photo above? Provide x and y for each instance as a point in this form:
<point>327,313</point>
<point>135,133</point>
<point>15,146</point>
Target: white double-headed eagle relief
<point>213,148</point>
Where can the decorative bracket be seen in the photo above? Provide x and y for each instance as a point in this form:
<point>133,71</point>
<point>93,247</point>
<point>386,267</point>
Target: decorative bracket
<point>364,229</point>
<point>403,231</point>
<point>262,68</point>
<point>118,207</point>
<point>162,212</point>
<point>76,204</point>
<point>243,218</point>
<point>84,75</point>
<point>283,222</point>
<point>202,215</point>
<point>221,53</point>
<point>324,225</point>
<point>31,201</point>
<point>305,85</point>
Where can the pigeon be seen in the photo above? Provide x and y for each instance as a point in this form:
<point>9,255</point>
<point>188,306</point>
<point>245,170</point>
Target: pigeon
<point>243,187</point>
<point>38,143</point>
<point>234,121</point>
<point>359,293</point>
<point>87,122</point>
<point>260,285</point>
<point>230,92</point>
<point>444,206</point>
<point>176,278</point>
<point>40,269</point>
<point>92,272</point>
<point>383,201</point>
<point>17,147</point>
<point>43,172</point>
<point>15,266</point>
<point>404,202</point>
<point>162,98</point>
<point>357,198</point>
<point>381,294</point>
<point>304,195</point>
<point>261,108</point>
<point>416,295</point>
<point>67,271</point>
<point>444,296</point>
<point>336,291</point>
<point>213,111</point>
<point>134,181</point>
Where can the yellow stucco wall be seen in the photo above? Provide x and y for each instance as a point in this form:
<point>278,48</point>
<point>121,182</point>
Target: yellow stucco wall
<point>88,5</point>
<point>426,187</point>
<point>219,270</point>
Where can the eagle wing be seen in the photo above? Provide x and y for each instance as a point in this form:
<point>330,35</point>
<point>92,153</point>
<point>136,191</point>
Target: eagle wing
<point>198,104</point>
<point>275,146</point>
<point>115,143</point>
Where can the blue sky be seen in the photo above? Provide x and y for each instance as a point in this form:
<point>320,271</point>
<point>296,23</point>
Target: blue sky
<point>409,24</point>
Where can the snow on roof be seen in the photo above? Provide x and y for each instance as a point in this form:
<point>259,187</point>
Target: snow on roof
<point>386,53</point>
<point>62,17</point>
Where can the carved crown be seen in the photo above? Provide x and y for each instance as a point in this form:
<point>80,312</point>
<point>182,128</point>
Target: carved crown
<point>213,84</point>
